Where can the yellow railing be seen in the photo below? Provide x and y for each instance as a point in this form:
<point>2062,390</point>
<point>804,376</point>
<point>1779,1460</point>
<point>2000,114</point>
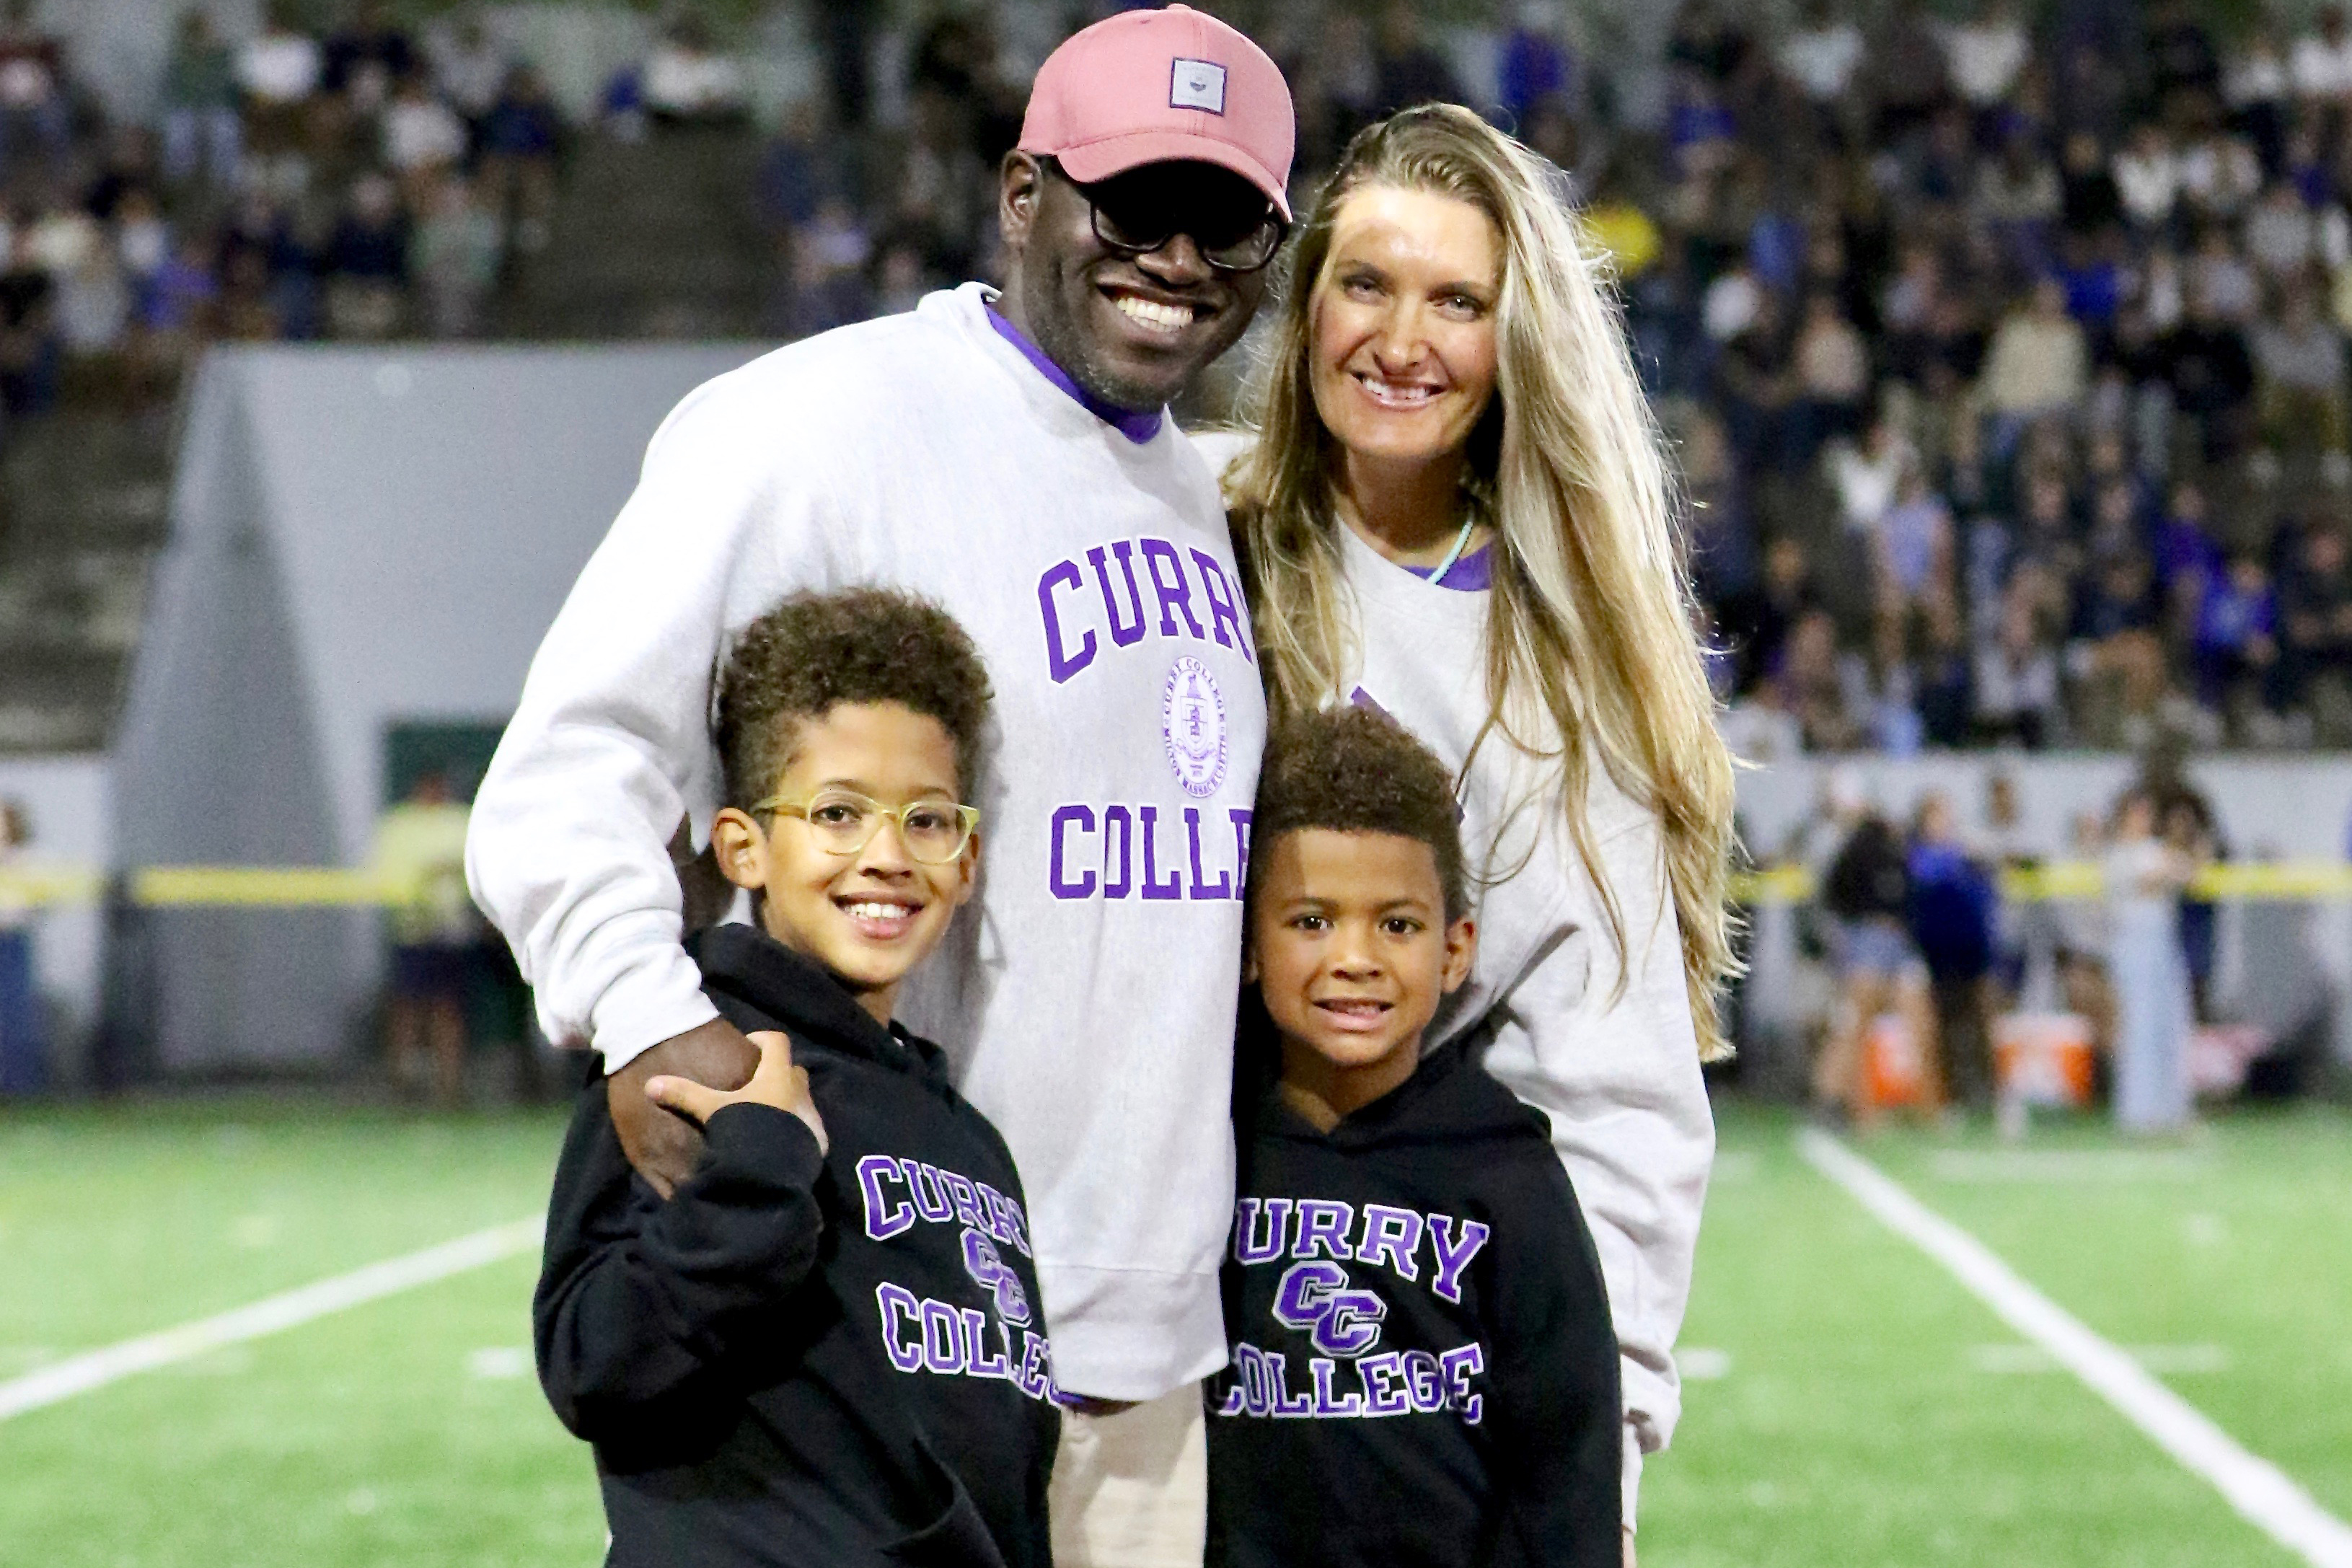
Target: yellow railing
<point>191,886</point>
<point>2082,880</point>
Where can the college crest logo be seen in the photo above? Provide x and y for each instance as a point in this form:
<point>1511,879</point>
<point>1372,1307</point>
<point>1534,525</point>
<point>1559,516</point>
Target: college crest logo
<point>1192,725</point>
<point>987,1268</point>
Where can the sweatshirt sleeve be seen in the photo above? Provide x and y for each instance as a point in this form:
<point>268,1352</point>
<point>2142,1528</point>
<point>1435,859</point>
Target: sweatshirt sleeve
<point>1617,1073</point>
<point>643,1303</point>
<point>609,748</point>
<point>1553,1400</point>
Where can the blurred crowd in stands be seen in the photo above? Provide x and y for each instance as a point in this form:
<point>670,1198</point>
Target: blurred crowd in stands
<point>362,183</point>
<point>2006,358</point>
<point>2010,371</point>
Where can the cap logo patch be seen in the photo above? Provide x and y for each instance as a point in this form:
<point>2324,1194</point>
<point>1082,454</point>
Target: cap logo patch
<point>1198,84</point>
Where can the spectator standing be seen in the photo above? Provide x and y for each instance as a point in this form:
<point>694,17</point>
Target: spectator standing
<point>1755,385</point>
<point>36,115</point>
<point>422,137</point>
<point>1951,913</point>
<point>23,1056</point>
<point>520,138</point>
<point>2038,364</point>
<point>29,346</point>
<point>2321,63</point>
<point>2219,175</point>
<point>1832,366</point>
<point>1866,475</point>
<point>2259,88</point>
<point>1810,685</point>
<point>2314,613</point>
<point>2145,875</point>
<point>1538,69</point>
<point>2017,690</point>
<point>2115,651</point>
<point>687,81</point>
<point>201,132</point>
<point>367,262</point>
<point>1913,540</point>
<point>2236,645</point>
<point>2282,234</point>
<point>2147,179</point>
<point>470,67</point>
<point>1759,623</point>
<point>2002,843</point>
<point>1983,57</point>
<point>2299,366</point>
<point>2188,558</point>
<point>2089,204</point>
<point>419,860</point>
<point>2204,360</point>
<point>277,70</point>
<point>179,308</point>
<point>1820,54</point>
<point>455,258</point>
<point>831,257</point>
<point>1868,894</point>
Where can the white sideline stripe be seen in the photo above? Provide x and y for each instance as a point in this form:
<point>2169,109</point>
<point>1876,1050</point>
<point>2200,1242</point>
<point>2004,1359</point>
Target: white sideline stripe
<point>2257,1489</point>
<point>95,1369</point>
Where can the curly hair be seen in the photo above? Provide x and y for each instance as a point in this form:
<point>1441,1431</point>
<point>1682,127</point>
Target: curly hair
<point>815,651</point>
<point>1354,770</point>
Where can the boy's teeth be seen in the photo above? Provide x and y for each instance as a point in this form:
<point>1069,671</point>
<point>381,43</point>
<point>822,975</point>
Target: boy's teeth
<point>877,911</point>
<point>1167,317</point>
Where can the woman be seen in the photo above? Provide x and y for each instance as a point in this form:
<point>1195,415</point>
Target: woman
<point>1456,510</point>
<point>2145,875</point>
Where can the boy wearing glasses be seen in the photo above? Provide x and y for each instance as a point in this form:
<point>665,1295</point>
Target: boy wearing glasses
<point>826,1346</point>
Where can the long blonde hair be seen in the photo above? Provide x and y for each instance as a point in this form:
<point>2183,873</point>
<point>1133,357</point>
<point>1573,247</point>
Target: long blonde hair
<point>1591,613</point>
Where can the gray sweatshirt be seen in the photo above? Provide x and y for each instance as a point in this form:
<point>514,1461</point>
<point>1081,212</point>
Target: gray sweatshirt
<point>1086,998</point>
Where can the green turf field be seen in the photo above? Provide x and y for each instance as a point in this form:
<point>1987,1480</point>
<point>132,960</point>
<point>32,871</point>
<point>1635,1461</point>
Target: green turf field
<point>1863,1409</point>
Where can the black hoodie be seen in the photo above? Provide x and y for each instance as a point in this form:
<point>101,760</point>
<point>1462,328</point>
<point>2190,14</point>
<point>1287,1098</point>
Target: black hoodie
<point>805,1359</point>
<point>1423,1370</point>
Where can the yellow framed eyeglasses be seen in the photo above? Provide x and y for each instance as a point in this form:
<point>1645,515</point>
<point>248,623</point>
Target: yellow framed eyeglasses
<point>845,822</point>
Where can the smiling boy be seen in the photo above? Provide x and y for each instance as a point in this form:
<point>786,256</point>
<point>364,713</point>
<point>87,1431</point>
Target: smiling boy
<point>825,1349</point>
<point>1423,1369</point>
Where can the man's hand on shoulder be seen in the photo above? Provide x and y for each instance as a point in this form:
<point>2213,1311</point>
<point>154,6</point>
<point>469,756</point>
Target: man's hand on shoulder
<point>662,1144</point>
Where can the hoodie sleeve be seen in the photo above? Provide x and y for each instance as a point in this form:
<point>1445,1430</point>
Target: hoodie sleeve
<point>1553,1402</point>
<point>1617,1073</point>
<point>641,1302</point>
<point>609,747</point>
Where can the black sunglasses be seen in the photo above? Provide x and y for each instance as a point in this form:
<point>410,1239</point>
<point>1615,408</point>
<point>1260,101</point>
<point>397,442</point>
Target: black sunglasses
<point>1142,211</point>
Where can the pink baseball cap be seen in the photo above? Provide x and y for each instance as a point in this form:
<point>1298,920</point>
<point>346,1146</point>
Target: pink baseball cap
<point>1154,87</point>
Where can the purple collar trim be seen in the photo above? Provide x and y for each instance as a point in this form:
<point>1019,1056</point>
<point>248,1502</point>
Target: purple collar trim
<point>1136,428</point>
<point>1473,574</point>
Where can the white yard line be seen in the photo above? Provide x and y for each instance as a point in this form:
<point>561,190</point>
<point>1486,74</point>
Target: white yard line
<point>95,1369</point>
<point>2257,1489</point>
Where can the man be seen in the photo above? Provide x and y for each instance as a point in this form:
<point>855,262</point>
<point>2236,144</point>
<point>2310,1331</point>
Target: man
<point>1010,456</point>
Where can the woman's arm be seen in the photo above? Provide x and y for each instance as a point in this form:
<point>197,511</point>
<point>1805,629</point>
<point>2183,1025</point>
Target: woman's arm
<point>1618,1075</point>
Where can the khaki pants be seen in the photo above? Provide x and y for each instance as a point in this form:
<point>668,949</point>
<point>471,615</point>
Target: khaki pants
<point>1131,1490</point>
